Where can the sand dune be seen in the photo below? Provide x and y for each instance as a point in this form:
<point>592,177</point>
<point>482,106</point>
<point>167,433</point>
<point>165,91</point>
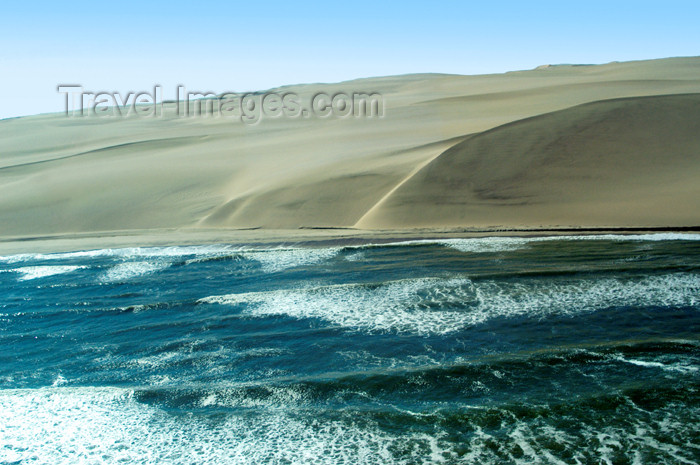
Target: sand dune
<point>581,146</point>
<point>621,162</point>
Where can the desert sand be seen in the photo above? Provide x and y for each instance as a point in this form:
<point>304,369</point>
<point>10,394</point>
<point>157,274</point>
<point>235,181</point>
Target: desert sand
<point>554,148</point>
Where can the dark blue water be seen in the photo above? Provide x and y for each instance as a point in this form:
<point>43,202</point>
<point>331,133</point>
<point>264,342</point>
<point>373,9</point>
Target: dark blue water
<point>568,350</point>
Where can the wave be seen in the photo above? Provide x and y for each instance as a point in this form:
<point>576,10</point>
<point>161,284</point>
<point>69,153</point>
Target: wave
<point>125,253</point>
<point>67,424</point>
<point>129,270</point>
<point>273,260</point>
<point>511,243</point>
<point>307,255</point>
<point>35,272</point>
<point>379,307</point>
<point>440,306</point>
<point>544,375</point>
<point>476,245</point>
<point>678,367</point>
<point>142,261</point>
<point>63,425</point>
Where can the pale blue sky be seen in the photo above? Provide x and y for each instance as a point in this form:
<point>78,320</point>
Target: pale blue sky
<point>230,46</point>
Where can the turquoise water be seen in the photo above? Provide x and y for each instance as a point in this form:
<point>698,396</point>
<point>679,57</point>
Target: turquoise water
<point>495,350</point>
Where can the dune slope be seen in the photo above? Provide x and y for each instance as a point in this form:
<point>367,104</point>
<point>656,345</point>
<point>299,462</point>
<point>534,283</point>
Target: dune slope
<point>622,162</point>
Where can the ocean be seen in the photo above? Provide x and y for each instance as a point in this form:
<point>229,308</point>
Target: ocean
<point>566,350</point>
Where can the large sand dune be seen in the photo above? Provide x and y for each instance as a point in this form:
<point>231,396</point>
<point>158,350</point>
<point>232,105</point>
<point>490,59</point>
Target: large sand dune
<point>614,145</point>
<point>623,162</point>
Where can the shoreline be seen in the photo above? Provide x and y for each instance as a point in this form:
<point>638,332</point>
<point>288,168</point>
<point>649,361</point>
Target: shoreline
<point>304,237</point>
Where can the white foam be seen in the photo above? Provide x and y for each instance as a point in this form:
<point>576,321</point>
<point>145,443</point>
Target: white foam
<point>440,306</point>
<point>129,253</point>
<point>276,259</point>
<point>510,243</point>
<point>59,381</point>
<point>280,258</point>
<point>130,270</point>
<point>68,425</point>
<point>678,367</point>
<point>36,272</point>
<point>643,436</point>
<point>107,425</point>
<point>355,256</point>
<point>352,305</point>
<point>273,260</point>
<point>126,253</point>
<point>139,261</point>
<point>475,245</point>
<point>486,245</point>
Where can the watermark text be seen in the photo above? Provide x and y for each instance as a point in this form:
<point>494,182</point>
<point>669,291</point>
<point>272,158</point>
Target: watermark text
<point>245,107</point>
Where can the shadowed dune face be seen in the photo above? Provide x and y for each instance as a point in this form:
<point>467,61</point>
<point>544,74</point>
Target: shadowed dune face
<point>528,148</point>
<point>627,162</point>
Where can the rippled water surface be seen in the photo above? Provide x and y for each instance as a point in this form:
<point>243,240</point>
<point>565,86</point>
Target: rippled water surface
<point>495,350</point>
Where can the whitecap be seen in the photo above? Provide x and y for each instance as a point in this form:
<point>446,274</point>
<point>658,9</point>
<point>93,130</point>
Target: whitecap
<point>677,367</point>
<point>36,272</point>
<point>108,425</point>
<point>130,270</point>
<point>125,253</point>
<point>59,381</point>
<point>274,260</point>
<point>440,306</point>
<point>491,244</point>
<point>271,259</point>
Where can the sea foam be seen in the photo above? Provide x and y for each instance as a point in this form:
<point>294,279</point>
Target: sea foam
<point>35,272</point>
<point>108,425</point>
<point>440,306</point>
<point>66,425</point>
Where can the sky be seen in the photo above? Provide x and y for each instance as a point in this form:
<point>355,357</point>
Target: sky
<point>223,46</point>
